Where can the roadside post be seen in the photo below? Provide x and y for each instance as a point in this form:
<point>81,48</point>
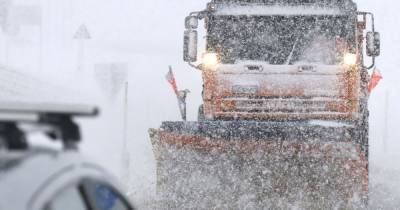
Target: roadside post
<point>82,35</point>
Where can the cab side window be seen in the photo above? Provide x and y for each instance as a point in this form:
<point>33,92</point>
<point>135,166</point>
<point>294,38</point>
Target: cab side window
<point>69,198</point>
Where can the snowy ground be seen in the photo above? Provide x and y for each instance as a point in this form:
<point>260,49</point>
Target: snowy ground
<point>147,35</point>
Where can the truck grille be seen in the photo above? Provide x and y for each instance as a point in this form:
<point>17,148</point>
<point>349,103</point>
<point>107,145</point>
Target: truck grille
<point>288,105</point>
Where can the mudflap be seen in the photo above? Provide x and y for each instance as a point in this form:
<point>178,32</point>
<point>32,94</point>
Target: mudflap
<point>259,165</point>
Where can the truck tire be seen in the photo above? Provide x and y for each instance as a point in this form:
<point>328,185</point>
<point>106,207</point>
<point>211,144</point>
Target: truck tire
<point>200,116</point>
<point>363,132</point>
<point>363,138</point>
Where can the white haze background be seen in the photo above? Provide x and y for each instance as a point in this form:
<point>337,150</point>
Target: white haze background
<point>147,35</point>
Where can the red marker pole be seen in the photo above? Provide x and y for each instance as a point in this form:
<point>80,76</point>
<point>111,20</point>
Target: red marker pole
<point>375,79</point>
<point>180,95</point>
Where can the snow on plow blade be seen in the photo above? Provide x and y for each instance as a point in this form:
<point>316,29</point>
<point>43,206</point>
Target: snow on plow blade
<point>254,165</point>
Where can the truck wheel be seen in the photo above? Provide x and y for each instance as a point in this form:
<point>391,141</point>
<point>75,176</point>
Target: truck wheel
<point>363,130</point>
<point>363,139</point>
<point>200,116</point>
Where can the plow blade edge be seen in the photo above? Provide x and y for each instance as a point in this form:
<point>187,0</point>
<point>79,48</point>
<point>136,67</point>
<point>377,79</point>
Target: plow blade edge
<point>239,165</point>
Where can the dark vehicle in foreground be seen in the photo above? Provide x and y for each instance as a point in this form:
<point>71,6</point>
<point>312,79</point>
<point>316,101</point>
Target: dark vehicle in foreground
<point>39,178</point>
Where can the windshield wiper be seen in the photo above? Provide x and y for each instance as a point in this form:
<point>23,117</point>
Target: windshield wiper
<point>290,57</point>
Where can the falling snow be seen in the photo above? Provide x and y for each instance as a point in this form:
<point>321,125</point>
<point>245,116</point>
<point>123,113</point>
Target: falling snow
<point>293,50</point>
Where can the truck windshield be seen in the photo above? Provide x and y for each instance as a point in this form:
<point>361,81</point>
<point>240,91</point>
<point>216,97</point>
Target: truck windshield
<point>280,40</point>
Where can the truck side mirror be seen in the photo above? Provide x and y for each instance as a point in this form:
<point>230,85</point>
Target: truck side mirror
<point>191,22</point>
<point>190,46</point>
<point>373,44</point>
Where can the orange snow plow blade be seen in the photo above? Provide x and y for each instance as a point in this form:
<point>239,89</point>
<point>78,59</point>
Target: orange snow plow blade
<point>258,165</point>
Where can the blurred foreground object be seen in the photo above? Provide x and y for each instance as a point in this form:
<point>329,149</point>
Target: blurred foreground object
<point>45,179</point>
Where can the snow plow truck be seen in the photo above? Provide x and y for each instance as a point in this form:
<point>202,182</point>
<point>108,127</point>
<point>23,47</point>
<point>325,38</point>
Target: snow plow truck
<point>284,120</point>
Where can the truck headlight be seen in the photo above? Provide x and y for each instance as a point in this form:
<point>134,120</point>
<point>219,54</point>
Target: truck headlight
<point>350,59</point>
<point>210,59</point>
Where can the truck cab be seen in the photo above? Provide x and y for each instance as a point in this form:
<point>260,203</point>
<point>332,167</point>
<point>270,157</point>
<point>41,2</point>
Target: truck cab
<point>279,60</point>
